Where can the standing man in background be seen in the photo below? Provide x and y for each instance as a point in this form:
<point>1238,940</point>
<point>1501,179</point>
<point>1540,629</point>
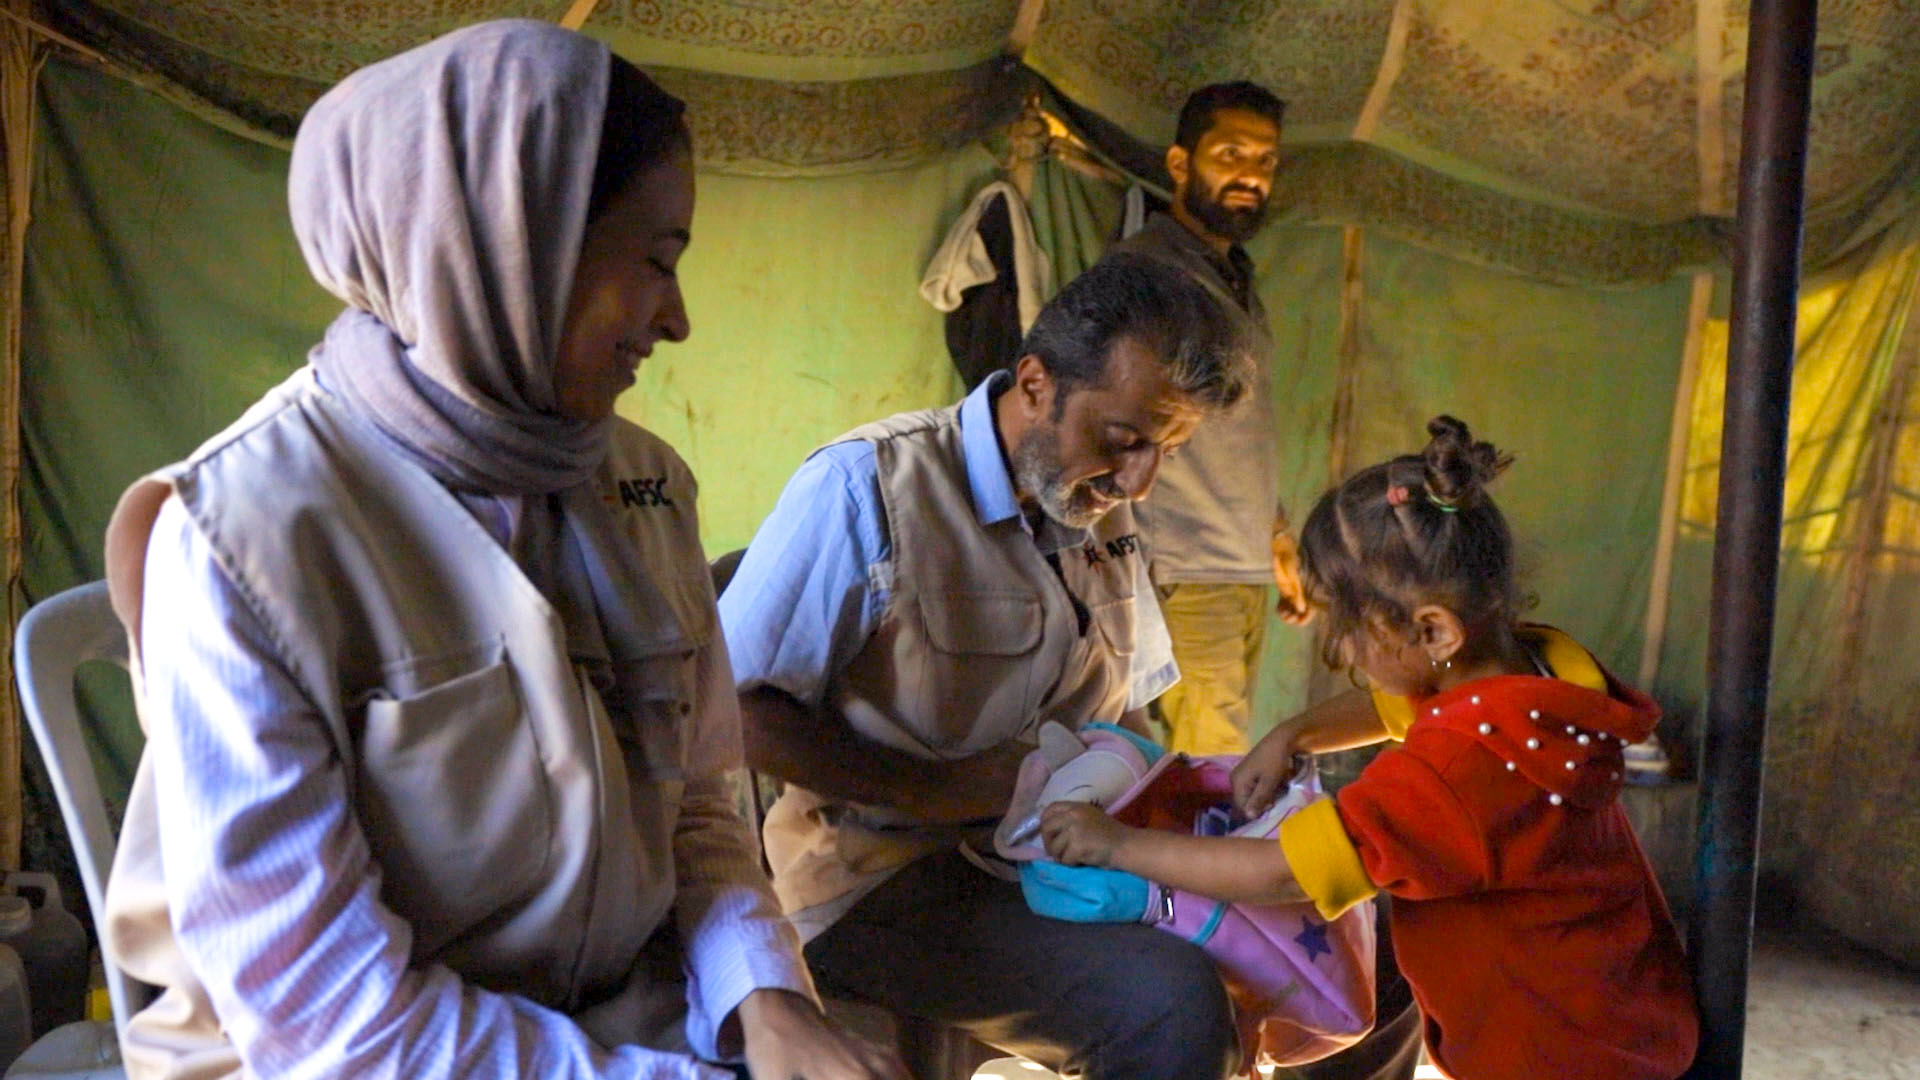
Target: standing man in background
<point>1214,522</point>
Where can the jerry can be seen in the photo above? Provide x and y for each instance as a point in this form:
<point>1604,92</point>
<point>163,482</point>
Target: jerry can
<point>52,945</point>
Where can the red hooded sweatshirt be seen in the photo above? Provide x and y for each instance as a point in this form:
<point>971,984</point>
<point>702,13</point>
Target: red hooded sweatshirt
<point>1525,916</point>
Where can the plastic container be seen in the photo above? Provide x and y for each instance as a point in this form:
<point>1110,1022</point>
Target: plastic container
<point>52,947</point>
<point>16,1014</point>
<point>87,1050</point>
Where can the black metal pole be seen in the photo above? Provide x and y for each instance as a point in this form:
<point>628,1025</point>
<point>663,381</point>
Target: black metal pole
<point>1746,552</point>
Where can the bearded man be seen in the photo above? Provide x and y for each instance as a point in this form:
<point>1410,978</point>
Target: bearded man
<point>931,588</point>
<point>1215,525</point>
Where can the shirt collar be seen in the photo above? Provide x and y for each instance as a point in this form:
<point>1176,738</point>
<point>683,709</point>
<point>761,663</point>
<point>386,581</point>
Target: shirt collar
<point>987,474</point>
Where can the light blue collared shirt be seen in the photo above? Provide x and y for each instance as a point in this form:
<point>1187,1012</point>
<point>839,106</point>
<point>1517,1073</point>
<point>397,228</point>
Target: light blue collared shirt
<point>813,584</point>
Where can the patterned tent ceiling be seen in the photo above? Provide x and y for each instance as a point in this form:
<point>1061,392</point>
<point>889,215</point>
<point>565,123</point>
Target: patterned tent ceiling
<point>1604,121</point>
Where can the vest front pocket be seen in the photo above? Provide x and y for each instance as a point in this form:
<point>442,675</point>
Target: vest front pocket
<point>454,800</point>
<point>1118,622</point>
<point>654,738</point>
<point>982,679</point>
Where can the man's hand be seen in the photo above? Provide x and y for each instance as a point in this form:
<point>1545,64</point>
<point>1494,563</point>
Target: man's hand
<point>817,749</point>
<point>788,1038</point>
<point>972,789</point>
<point>1293,606</point>
<point>1138,722</point>
<point>1265,770</point>
<point>1081,835</point>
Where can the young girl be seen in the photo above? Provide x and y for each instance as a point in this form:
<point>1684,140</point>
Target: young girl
<point>1524,916</point>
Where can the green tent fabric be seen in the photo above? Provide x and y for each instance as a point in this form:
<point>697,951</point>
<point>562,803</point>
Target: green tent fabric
<point>806,323</point>
<point>1582,144</point>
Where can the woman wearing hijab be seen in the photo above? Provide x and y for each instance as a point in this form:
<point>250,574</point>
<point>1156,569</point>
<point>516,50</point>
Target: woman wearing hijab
<point>438,717</point>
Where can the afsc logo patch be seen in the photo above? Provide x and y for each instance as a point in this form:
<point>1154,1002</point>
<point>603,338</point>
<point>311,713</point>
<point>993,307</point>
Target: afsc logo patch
<point>644,491</point>
<point>1117,548</point>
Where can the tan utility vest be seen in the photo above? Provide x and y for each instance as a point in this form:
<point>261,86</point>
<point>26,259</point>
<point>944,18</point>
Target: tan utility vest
<point>978,645</point>
<point>443,678</point>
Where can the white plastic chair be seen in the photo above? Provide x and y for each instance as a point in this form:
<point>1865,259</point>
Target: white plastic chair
<point>57,636</point>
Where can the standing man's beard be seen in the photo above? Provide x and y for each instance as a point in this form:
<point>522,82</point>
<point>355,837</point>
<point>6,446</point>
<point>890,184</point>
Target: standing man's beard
<point>1036,471</point>
<point>1237,224</point>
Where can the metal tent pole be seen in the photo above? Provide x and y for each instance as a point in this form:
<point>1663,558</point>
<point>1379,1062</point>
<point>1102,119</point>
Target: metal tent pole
<point>1766,279</point>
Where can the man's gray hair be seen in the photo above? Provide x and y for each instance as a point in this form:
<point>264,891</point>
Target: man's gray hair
<point>1156,303</point>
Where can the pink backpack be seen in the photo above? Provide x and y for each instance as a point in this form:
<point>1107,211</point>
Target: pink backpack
<point>1302,986</point>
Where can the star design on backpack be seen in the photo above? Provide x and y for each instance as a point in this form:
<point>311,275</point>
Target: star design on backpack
<point>1313,938</point>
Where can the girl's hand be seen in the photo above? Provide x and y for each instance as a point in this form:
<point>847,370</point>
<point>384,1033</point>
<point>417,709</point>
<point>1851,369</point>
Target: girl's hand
<point>1265,770</point>
<point>1081,835</point>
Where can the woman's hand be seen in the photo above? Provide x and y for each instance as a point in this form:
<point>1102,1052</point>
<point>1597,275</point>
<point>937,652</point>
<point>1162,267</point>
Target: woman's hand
<point>1079,834</point>
<point>789,1038</point>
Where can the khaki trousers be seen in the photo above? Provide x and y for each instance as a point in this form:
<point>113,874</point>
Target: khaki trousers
<point>1217,633</point>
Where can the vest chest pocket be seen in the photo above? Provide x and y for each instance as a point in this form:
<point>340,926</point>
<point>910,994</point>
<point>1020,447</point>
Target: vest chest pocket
<point>983,678</point>
<point>662,688</point>
<point>653,739</point>
<point>1117,620</point>
<point>454,800</point>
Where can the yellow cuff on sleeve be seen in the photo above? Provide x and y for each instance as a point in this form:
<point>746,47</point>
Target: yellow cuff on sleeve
<point>1323,860</point>
<point>1396,714</point>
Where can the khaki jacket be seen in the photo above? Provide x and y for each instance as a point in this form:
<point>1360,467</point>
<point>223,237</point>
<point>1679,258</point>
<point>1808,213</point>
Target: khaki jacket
<point>399,617</point>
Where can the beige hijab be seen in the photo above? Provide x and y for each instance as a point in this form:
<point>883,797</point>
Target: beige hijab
<point>443,195</point>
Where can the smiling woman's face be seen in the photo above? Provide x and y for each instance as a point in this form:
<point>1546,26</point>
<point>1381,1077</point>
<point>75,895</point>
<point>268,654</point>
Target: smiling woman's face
<point>626,291</point>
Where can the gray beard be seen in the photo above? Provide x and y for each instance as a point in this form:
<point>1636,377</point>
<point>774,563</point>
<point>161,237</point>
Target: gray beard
<point>1036,470</point>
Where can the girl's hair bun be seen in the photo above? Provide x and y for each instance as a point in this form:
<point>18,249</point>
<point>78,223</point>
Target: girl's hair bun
<point>1458,468</point>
